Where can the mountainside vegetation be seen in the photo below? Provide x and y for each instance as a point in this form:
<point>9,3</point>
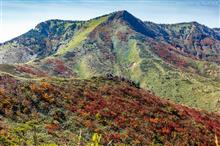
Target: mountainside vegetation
<point>179,62</point>
<point>104,110</point>
<point>111,80</point>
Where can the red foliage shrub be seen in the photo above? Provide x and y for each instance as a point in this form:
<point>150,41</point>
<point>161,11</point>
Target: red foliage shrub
<point>52,127</point>
<point>208,41</point>
<point>59,66</point>
<point>168,54</point>
<point>2,91</point>
<point>30,70</point>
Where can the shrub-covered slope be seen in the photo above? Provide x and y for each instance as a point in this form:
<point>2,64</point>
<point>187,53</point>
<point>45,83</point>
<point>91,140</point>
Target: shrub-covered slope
<point>71,111</point>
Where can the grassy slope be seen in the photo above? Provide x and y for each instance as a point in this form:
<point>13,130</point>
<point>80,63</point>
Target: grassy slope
<point>200,90</point>
<point>83,70</point>
<point>82,34</point>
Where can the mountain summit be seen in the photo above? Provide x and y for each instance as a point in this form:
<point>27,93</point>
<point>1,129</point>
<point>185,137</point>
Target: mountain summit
<point>133,22</point>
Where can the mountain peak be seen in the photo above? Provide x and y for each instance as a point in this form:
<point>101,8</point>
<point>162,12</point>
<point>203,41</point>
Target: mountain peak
<point>123,14</point>
<point>135,23</point>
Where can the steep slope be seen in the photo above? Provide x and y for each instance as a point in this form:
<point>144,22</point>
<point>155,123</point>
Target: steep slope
<point>81,34</point>
<point>195,39</point>
<point>39,42</point>
<point>190,39</point>
<point>121,44</point>
<point>70,111</point>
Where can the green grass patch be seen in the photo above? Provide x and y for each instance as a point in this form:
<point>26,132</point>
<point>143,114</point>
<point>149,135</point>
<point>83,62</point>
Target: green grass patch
<point>82,34</point>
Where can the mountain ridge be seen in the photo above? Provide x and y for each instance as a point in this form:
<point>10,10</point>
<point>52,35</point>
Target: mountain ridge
<point>134,22</point>
<point>179,62</point>
<point>111,80</point>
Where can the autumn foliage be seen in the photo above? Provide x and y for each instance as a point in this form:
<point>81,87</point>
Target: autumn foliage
<point>116,109</point>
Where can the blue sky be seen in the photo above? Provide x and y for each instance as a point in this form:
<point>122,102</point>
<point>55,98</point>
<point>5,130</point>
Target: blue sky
<point>19,16</point>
